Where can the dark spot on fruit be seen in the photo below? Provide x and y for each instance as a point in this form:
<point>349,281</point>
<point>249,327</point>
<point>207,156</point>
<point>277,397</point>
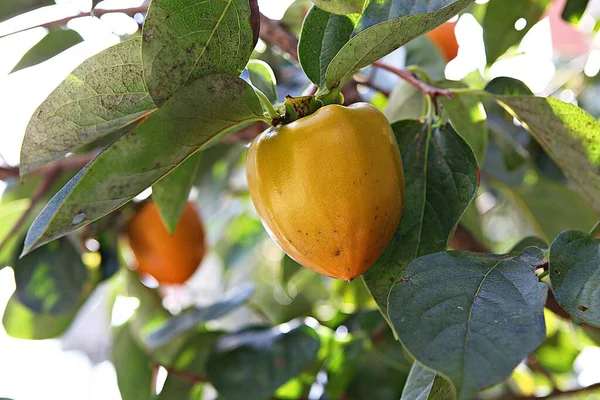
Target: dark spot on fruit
<point>582,308</point>
<point>337,252</point>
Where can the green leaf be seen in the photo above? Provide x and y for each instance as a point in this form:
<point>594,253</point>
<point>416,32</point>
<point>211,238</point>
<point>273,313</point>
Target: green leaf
<point>187,320</point>
<point>530,241</point>
<point>504,86</point>
<point>322,37</point>
<point>499,32</point>
<point>289,268</point>
<point>263,78</point>
<point>552,208</point>
<point>424,384</point>
<point>574,10</point>
<point>569,135</point>
<point>419,383</point>
<point>341,7</point>
<point>560,350</point>
<point>53,279</point>
<point>468,117</point>
<point>341,365</point>
<point>171,192</point>
<point>472,317</point>
<point>252,364</point>
<point>105,93</point>
<point>575,276</point>
<point>11,8</point>
<point>405,102</point>
<point>386,26</point>
<point>294,16</point>
<point>424,53</point>
<point>186,40</point>
<point>440,173</point>
<point>22,323</point>
<point>133,366</point>
<point>56,41</point>
<point>9,215</point>
<point>192,359</point>
<point>196,116</point>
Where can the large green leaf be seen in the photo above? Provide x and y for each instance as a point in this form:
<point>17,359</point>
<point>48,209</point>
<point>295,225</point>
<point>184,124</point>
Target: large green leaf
<point>472,317</point>
<point>384,27</point>
<point>197,115</point>
<point>54,42</point>
<point>192,318</point>
<point>262,77</point>
<point>252,364</point>
<point>441,179</point>
<point>105,93</point>
<point>575,275</point>
<point>187,40</point>
<point>341,7</point>
<point>323,35</point>
<point>133,366</point>
<point>499,32</point>
<point>424,384</point>
<point>468,117</point>
<point>552,207</point>
<point>569,135</point>
<point>52,279</point>
<point>11,8</point>
<point>405,102</point>
<point>22,323</point>
<point>171,193</point>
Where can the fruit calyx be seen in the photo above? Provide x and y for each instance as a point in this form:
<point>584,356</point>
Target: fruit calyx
<point>303,106</point>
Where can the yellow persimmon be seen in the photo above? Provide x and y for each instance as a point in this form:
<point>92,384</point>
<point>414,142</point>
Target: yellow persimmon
<point>329,187</point>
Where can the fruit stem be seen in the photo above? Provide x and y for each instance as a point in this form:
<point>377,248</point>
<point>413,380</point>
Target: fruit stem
<point>543,275</point>
<point>266,104</point>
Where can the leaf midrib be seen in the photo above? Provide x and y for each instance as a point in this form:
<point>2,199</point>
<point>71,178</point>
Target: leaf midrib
<point>469,317</point>
<point>208,41</point>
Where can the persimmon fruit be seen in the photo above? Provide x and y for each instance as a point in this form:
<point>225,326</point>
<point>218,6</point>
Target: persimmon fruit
<point>444,38</point>
<point>169,258</point>
<point>329,187</point>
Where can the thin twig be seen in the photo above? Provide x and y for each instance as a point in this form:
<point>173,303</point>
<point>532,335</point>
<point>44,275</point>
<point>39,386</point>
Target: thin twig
<point>131,11</point>
<point>274,33</point>
<point>416,82</point>
<point>184,375</point>
<point>199,379</point>
<point>46,184</point>
<point>70,163</point>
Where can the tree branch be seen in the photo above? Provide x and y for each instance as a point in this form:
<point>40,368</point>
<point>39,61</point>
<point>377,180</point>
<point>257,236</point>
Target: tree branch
<point>63,164</point>
<point>131,11</point>
<point>49,179</point>
<point>274,33</point>
<point>412,79</point>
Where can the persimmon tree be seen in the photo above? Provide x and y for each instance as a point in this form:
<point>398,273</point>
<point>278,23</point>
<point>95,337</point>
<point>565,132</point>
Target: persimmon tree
<point>448,310</point>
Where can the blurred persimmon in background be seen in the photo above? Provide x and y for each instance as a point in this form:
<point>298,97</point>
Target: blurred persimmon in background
<point>445,40</point>
<point>169,258</point>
